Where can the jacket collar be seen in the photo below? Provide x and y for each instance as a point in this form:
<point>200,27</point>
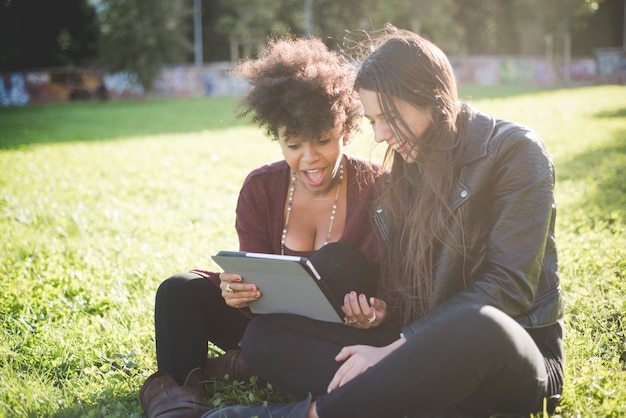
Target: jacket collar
<point>475,136</point>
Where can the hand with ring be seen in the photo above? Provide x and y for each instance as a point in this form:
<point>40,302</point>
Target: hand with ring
<point>237,293</point>
<point>363,313</point>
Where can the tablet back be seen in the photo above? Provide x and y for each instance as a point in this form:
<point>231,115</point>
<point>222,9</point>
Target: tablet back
<point>288,284</point>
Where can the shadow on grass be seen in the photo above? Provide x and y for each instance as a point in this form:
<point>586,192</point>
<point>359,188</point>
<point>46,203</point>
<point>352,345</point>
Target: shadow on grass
<point>91,121</point>
<point>606,168</point>
<point>615,113</point>
<point>112,406</point>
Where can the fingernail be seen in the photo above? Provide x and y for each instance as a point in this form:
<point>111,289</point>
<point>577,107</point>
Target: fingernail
<point>252,287</point>
<point>257,294</point>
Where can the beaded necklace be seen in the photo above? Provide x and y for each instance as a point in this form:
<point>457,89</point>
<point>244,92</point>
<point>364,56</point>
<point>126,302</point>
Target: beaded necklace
<point>333,211</point>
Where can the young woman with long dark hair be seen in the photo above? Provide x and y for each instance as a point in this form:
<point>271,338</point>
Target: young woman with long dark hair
<point>469,271</point>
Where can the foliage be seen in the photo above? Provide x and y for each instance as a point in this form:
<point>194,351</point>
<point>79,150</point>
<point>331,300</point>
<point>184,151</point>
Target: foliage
<point>140,36</point>
<point>215,44</point>
<point>40,33</point>
<point>430,18</point>
<point>585,34</point>
<point>99,202</point>
<point>333,18</point>
<point>458,26</point>
<point>252,23</point>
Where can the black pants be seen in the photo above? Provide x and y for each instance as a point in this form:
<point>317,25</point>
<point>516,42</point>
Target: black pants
<point>472,360</point>
<point>189,312</point>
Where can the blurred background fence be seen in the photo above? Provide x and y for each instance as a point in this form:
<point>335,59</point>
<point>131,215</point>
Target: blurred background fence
<point>61,84</point>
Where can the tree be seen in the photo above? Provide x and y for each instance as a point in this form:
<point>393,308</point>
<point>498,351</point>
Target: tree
<point>140,36</point>
<point>43,33</point>
<point>560,19</point>
<point>492,26</point>
<point>250,24</point>
<point>458,26</point>
<point>215,44</point>
<point>247,24</point>
<point>332,19</point>
<point>432,19</point>
<point>609,17</point>
<point>483,26</point>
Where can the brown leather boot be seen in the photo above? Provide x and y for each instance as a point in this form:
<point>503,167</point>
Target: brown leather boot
<point>161,396</point>
<point>231,364</point>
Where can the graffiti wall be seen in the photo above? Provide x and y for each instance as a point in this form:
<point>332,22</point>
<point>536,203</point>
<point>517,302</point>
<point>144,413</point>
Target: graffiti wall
<point>493,71</point>
<point>60,85</point>
<point>190,81</point>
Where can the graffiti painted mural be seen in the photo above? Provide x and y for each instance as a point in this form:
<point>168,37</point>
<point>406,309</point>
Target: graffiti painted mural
<point>215,79</point>
<point>122,84</point>
<point>15,93</point>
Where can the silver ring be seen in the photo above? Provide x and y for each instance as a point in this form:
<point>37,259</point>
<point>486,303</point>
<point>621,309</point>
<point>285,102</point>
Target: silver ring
<point>372,319</point>
<point>352,321</point>
<point>227,289</point>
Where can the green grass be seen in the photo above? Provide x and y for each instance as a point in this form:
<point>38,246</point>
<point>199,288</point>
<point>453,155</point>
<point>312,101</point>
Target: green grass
<point>99,202</point>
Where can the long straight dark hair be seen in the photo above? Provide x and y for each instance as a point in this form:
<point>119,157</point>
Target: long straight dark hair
<point>408,67</point>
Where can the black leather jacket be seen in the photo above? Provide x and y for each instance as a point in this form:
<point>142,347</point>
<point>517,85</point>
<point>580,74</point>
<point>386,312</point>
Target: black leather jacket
<point>504,197</point>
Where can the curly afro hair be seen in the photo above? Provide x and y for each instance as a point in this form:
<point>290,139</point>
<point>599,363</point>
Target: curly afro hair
<point>301,86</point>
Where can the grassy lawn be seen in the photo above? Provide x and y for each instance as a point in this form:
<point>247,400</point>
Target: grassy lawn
<point>99,202</point>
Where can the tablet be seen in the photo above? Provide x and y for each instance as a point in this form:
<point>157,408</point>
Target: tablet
<point>288,284</point>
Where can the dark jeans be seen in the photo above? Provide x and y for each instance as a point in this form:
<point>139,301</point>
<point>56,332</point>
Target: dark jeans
<point>189,312</point>
<point>463,360</point>
<point>296,354</point>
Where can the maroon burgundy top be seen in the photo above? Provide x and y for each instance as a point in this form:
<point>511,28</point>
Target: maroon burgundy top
<point>261,206</point>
